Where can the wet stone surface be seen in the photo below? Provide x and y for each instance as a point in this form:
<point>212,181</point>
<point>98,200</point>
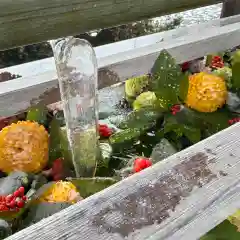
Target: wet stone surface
<point>152,203</point>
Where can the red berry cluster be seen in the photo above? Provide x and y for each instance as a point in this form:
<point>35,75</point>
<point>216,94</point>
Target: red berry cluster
<point>217,62</point>
<point>185,66</point>
<point>58,169</point>
<point>104,130</point>
<point>234,120</point>
<point>141,163</point>
<point>5,121</point>
<point>13,202</point>
<point>175,109</point>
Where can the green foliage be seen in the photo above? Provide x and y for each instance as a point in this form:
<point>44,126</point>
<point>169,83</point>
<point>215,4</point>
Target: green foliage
<point>42,210</point>
<point>38,114</point>
<point>166,79</point>
<point>213,122</point>
<point>236,75</point>
<point>224,231</point>
<point>162,150</point>
<point>180,129</point>
<point>146,100</point>
<point>226,74</point>
<point>235,62</point>
<point>209,59</point>
<point>193,134</point>
<point>125,136</point>
<point>55,151</point>
<point>135,86</point>
<point>141,119</point>
<point>183,88</point>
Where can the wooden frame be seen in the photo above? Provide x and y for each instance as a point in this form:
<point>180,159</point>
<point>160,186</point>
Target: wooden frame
<point>184,44</point>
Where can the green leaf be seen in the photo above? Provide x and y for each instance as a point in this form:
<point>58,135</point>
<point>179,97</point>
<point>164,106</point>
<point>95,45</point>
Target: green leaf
<point>141,119</point>
<point>236,75</point>
<point>162,150</point>
<point>171,125</point>
<point>42,210</point>
<point>193,134</point>
<point>166,78</point>
<point>214,121</point>
<point>224,231</point>
<point>55,151</point>
<point>37,114</point>
<point>89,186</point>
<point>125,135</point>
<point>209,59</point>
<point>183,88</point>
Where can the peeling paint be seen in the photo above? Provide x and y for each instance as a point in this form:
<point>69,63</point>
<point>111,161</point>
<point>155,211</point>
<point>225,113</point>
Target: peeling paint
<point>152,203</point>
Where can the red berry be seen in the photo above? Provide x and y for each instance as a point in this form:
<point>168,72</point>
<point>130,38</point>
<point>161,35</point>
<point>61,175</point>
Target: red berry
<point>58,171</point>
<point>104,130</point>
<point>185,66</point>
<point>9,198</point>
<point>2,199</point>
<point>141,163</point>
<point>16,193</point>
<point>235,120</point>
<point>3,208</point>
<point>21,191</point>
<point>12,204</point>
<point>24,198</point>
<point>20,203</point>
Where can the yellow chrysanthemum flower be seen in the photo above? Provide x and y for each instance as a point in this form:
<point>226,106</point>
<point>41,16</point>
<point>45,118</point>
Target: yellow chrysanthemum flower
<point>206,92</point>
<point>60,192</point>
<point>23,147</point>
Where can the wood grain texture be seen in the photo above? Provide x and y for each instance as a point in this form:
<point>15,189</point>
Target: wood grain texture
<point>24,22</point>
<point>47,64</point>
<point>24,92</point>
<point>180,198</point>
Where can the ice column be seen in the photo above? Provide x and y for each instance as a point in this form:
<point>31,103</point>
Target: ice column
<point>76,66</point>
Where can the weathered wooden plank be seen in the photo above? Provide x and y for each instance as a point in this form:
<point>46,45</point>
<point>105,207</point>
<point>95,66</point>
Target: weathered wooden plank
<point>24,22</point>
<point>47,64</point>
<point>24,92</point>
<point>180,198</point>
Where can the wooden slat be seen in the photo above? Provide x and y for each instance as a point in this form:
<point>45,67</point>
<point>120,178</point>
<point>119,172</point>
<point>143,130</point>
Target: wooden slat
<point>47,64</point>
<point>24,92</point>
<point>24,22</point>
<point>180,198</point>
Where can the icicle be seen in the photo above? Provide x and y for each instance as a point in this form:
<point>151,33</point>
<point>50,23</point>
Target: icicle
<point>76,66</point>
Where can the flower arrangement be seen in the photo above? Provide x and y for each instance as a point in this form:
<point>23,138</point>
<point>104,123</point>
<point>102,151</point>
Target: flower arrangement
<point>170,108</point>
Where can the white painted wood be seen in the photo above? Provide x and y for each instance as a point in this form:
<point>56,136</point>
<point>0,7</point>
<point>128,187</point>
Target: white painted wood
<point>180,198</point>
<point>24,92</point>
